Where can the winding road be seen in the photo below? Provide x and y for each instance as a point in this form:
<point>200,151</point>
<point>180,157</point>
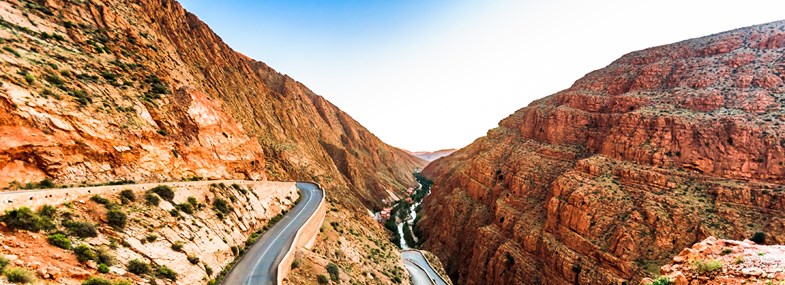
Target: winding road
<point>259,265</point>
<point>419,269</point>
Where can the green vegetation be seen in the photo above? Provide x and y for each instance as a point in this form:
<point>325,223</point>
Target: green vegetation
<point>186,208</point>
<point>59,240</point>
<point>163,191</point>
<point>12,51</point>
<point>193,259</point>
<point>335,273</point>
<point>81,97</point>
<point>84,253</point>
<point>54,79</point>
<point>151,237</point>
<point>80,229</point>
<point>127,195</point>
<point>152,198</point>
<point>705,266</point>
<point>138,267</point>
<point>322,279</point>
<point>25,219</point>
<point>100,200</point>
<point>407,234</point>
<point>116,218</point>
<point>167,273</point>
<point>94,280</point>
<point>30,78</point>
<point>662,280</point>
<point>221,206</point>
<point>759,238</point>
<point>177,246</point>
<point>103,268</point>
<point>3,262</point>
<point>19,275</point>
<point>193,202</point>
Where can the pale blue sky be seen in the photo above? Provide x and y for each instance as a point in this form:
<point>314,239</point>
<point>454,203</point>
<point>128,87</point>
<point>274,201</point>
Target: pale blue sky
<point>431,74</point>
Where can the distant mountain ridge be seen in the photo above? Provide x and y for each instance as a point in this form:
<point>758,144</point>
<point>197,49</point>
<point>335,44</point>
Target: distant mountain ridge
<point>432,155</point>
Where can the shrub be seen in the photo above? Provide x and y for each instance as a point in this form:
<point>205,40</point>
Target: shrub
<point>59,240</point>
<point>221,206</point>
<point>759,238</point>
<point>104,256</point>
<point>177,246</point>
<point>152,198</point>
<point>193,259</point>
<point>193,202</point>
<point>208,270</point>
<point>19,275</point>
<point>116,218</point>
<point>127,195</point>
<point>26,219</point>
<point>81,229</point>
<point>93,280</point>
<point>30,78</point>
<point>662,280</point>
<point>167,273</point>
<point>84,253</point>
<point>164,192</point>
<point>704,266</point>
<point>48,211</point>
<point>335,273</point>
<point>322,279</point>
<point>3,262</point>
<point>151,237</point>
<point>103,268</point>
<point>296,263</point>
<point>186,208</point>
<point>138,267</point>
<point>100,199</point>
<point>54,79</point>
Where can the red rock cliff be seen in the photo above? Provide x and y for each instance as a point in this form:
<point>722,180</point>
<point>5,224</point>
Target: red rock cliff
<point>108,90</point>
<point>602,182</point>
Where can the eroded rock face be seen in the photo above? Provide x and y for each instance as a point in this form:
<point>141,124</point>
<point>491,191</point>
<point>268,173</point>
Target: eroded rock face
<point>145,91</point>
<point>601,183</point>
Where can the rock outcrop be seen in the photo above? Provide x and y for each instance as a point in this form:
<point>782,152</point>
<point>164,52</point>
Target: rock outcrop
<point>601,183</point>
<point>716,261</point>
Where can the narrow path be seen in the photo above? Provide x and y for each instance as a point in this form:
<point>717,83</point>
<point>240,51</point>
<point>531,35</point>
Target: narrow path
<point>260,264</point>
<point>415,257</point>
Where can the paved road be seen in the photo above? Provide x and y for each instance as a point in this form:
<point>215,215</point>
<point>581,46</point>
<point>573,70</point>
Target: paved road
<point>260,264</point>
<point>415,257</point>
<point>417,274</point>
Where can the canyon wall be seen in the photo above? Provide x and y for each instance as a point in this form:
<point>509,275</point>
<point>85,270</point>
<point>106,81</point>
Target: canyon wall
<point>601,183</point>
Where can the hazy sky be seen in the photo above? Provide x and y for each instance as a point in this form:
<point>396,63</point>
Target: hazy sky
<point>432,74</point>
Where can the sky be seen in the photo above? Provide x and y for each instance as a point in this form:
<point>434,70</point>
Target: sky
<point>435,74</point>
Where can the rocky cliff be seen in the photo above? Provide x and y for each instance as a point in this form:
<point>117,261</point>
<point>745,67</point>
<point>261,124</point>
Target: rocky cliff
<point>601,183</point>
<point>108,90</point>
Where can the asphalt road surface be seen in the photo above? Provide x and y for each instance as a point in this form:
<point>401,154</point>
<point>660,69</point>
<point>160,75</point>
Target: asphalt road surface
<point>415,257</point>
<point>259,265</point>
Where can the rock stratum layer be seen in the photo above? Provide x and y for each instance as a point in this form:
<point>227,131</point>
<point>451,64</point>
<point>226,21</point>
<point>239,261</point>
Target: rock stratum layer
<point>143,90</point>
<point>601,183</point>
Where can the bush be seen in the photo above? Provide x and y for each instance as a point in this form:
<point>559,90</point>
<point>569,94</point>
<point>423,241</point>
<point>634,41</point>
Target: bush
<point>48,211</point>
<point>186,208</point>
<point>103,268</point>
<point>221,206</point>
<point>138,267</point>
<point>116,218</point>
<point>59,240</point>
<point>127,195</point>
<point>3,262</point>
<point>19,275</point>
<point>152,198</point>
<point>151,237</point>
<point>193,259</point>
<point>208,270</point>
<point>759,238</point>
<point>80,229</point>
<point>104,256</point>
<point>296,263</point>
<point>93,280</point>
<point>100,199</point>
<point>164,192</point>
<point>335,273</point>
<point>322,279</point>
<point>84,253</point>
<point>177,246</point>
<point>26,219</point>
<point>704,266</point>
<point>167,273</point>
<point>193,202</point>
<point>662,280</point>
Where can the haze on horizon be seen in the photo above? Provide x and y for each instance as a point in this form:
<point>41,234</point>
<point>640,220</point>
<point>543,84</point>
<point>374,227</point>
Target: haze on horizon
<point>429,75</point>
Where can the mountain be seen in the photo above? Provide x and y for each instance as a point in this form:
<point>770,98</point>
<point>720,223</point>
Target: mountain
<point>603,182</point>
<point>111,90</point>
<point>432,155</point>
